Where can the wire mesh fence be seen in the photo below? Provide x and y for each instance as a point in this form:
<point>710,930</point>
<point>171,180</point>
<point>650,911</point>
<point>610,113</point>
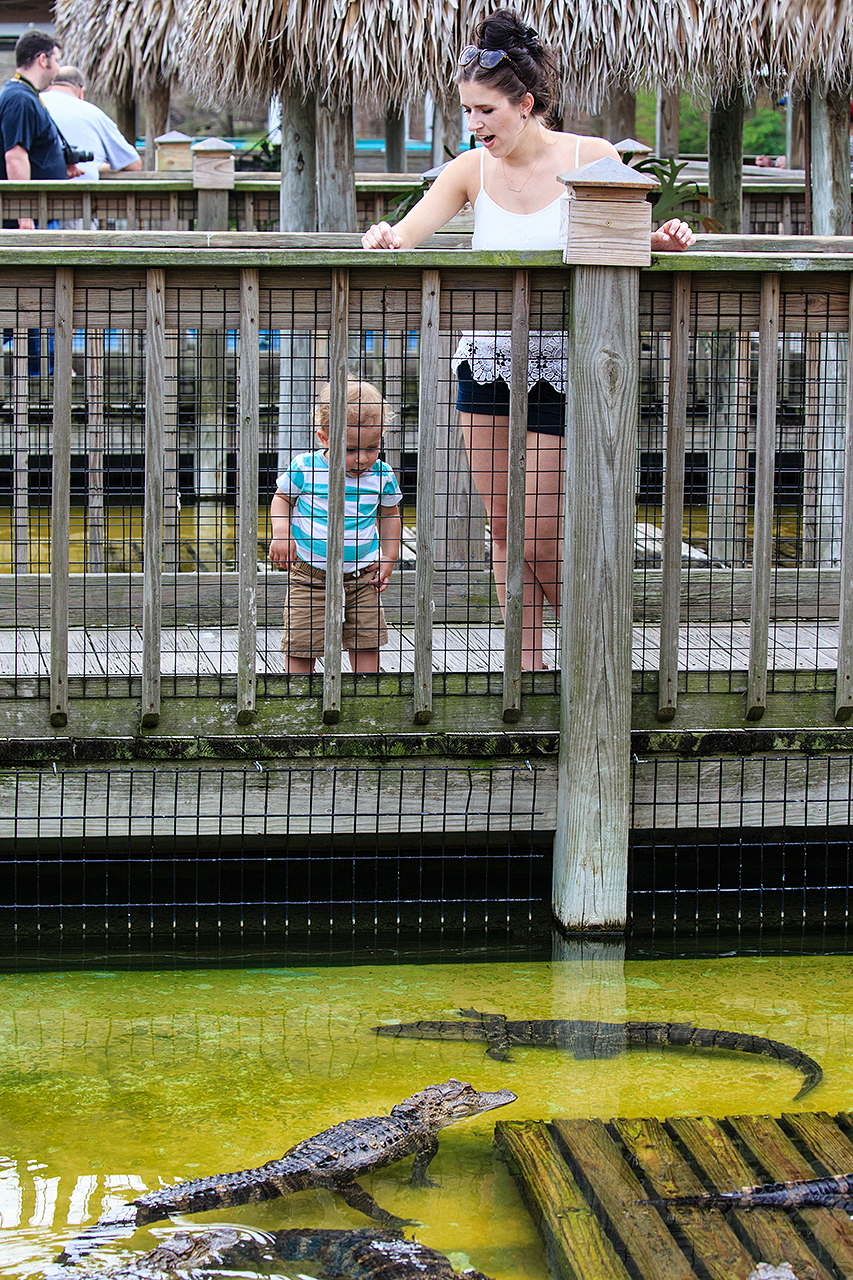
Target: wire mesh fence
<point>199,383</point>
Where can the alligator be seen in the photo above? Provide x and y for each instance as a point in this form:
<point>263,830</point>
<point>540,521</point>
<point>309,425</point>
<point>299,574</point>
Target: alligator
<point>331,1159</point>
<point>359,1255</point>
<point>599,1039</point>
<point>365,1254</point>
<point>826,1193</point>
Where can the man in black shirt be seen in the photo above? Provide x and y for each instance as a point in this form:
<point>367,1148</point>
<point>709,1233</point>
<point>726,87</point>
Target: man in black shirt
<point>30,146</point>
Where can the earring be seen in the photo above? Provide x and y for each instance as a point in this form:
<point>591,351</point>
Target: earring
<point>524,117</point>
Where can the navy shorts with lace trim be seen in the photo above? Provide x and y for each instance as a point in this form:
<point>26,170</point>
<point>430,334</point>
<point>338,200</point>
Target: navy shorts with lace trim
<point>546,408</point>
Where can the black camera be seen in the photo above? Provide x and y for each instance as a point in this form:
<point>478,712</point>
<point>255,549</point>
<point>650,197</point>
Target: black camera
<point>73,156</point>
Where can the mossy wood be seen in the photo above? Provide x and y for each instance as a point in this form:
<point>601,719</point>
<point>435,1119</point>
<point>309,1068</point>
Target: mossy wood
<point>588,1180</point>
<point>781,1161</point>
<point>772,1236</point>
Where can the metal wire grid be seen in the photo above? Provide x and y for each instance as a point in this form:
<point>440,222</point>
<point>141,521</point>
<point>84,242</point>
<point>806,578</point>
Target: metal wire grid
<point>745,843</point>
<point>143,851</point>
<point>203,448</point>
<point>720,480</point>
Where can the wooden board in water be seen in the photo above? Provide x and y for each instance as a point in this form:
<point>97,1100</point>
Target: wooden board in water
<point>587,1183</point>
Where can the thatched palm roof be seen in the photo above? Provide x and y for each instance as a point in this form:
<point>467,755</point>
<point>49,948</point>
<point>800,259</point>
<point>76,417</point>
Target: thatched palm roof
<point>343,49</point>
<point>123,46</point>
<point>812,40</point>
<point>394,49</point>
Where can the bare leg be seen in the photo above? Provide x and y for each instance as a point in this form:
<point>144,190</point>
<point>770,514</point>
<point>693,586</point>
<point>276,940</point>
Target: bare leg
<point>296,665</point>
<point>487,445</point>
<point>543,522</point>
<point>364,659</point>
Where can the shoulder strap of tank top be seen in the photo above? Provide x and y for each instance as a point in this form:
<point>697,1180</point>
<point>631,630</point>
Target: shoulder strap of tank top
<point>482,168</point>
<point>578,152</point>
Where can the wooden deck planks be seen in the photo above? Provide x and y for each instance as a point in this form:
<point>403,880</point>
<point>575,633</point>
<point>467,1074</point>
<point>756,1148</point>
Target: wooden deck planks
<point>775,1152</point>
<point>207,650</point>
<point>577,1246</point>
<point>773,1235</point>
<point>586,1181</point>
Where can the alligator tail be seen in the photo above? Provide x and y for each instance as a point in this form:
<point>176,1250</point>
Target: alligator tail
<point>434,1030</point>
<point>682,1034</point>
<point>832,1192</point>
<point>744,1043</point>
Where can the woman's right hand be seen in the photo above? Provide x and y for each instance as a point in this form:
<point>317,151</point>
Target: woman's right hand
<point>381,236</point>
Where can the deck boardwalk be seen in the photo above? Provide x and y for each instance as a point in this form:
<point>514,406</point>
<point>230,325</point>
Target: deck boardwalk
<point>117,651</point>
<point>586,1183</point>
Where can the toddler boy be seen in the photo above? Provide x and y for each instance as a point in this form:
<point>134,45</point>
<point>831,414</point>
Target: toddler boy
<point>372,529</point>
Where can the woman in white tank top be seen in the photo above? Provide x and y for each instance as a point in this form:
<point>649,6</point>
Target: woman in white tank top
<point>511,183</point>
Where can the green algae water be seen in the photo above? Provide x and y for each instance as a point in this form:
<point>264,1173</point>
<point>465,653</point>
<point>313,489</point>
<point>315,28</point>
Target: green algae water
<point>112,1083</point>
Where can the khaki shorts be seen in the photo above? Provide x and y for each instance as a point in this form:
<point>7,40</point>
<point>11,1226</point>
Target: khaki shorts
<point>305,612</point>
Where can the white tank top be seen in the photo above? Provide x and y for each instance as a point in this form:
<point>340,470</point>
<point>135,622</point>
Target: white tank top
<point>499,228</point>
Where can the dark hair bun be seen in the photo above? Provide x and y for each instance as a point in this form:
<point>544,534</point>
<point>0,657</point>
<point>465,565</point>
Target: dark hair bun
<point>504,29</point>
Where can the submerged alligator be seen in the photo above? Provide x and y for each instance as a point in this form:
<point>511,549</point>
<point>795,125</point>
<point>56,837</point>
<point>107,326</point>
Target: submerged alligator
<point>331,1159</point>
<point>599,1039</point>
<point>359,1255</point>
<point>826,1193</point>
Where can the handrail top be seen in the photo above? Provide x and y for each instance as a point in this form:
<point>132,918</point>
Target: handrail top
<point>327,249</point>
<point>156,180</point>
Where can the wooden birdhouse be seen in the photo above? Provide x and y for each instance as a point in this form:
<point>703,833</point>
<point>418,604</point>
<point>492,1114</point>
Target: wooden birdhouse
<point>213,164</point>
<point>172,151</point>
<point>606,220</point>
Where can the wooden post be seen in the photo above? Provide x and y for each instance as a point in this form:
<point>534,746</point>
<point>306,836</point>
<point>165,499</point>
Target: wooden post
<point>673,495</point>
<point>21,450</point>
<point>125,114</point>
<point>213,179</point>
<point>152,556</point>
<point>514,607</point>
<point>395,141</point>
<point>725,162</point>
<point>96,440</point>
<point>667,123</point>
<point>844,676</point>
<point>335,169</point>
<point>248,442</point>
<point>60,505</point>
<point>156,117</point>
<point>425,562</point>
<point>591,842</point>
<point>593,789</point>
<point>298,194</point>
<point>338,337</point>
<point>765,455</point>
<point>830,167</point>
<point>794,128</point>
<point>173,151</point>
<point>619,115</point>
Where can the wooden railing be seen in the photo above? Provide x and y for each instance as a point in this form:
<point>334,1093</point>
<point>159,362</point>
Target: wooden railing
<point>741,332</point>
<point>168,201</point>
<point>162,201</point>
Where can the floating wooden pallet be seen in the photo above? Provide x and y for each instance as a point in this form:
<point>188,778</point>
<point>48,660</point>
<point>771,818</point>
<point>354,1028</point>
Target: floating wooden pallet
<point>584,1182</point>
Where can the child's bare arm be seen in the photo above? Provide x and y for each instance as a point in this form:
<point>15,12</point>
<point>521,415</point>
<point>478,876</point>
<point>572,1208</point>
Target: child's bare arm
<point>390,532</point>
<point>282,547</point>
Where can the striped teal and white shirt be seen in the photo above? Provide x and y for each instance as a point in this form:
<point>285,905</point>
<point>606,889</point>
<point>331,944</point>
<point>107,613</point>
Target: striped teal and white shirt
<point>307,479</point>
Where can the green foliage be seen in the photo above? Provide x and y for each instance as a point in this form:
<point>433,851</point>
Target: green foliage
<point>668,200</point>
<point>763,130</point>
<point>764,133</point>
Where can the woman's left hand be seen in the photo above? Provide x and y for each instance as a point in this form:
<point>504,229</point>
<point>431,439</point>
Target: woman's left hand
<point>673,237</point>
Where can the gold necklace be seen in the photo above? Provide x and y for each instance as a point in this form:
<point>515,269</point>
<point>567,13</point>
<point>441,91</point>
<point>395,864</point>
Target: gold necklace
<point>530,174</point>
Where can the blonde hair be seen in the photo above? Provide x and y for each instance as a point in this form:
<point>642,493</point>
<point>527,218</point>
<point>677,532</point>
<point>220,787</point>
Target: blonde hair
<point>360,395</point>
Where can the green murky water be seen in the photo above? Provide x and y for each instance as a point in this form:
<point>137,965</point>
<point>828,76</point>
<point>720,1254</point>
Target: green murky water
<point>115,1082</point>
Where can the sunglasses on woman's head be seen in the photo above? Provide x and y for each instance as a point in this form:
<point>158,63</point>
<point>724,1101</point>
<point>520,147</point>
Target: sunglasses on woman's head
<point>488,59</point>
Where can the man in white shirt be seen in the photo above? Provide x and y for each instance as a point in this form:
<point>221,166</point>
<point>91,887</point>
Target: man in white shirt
<point>87,128</point>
